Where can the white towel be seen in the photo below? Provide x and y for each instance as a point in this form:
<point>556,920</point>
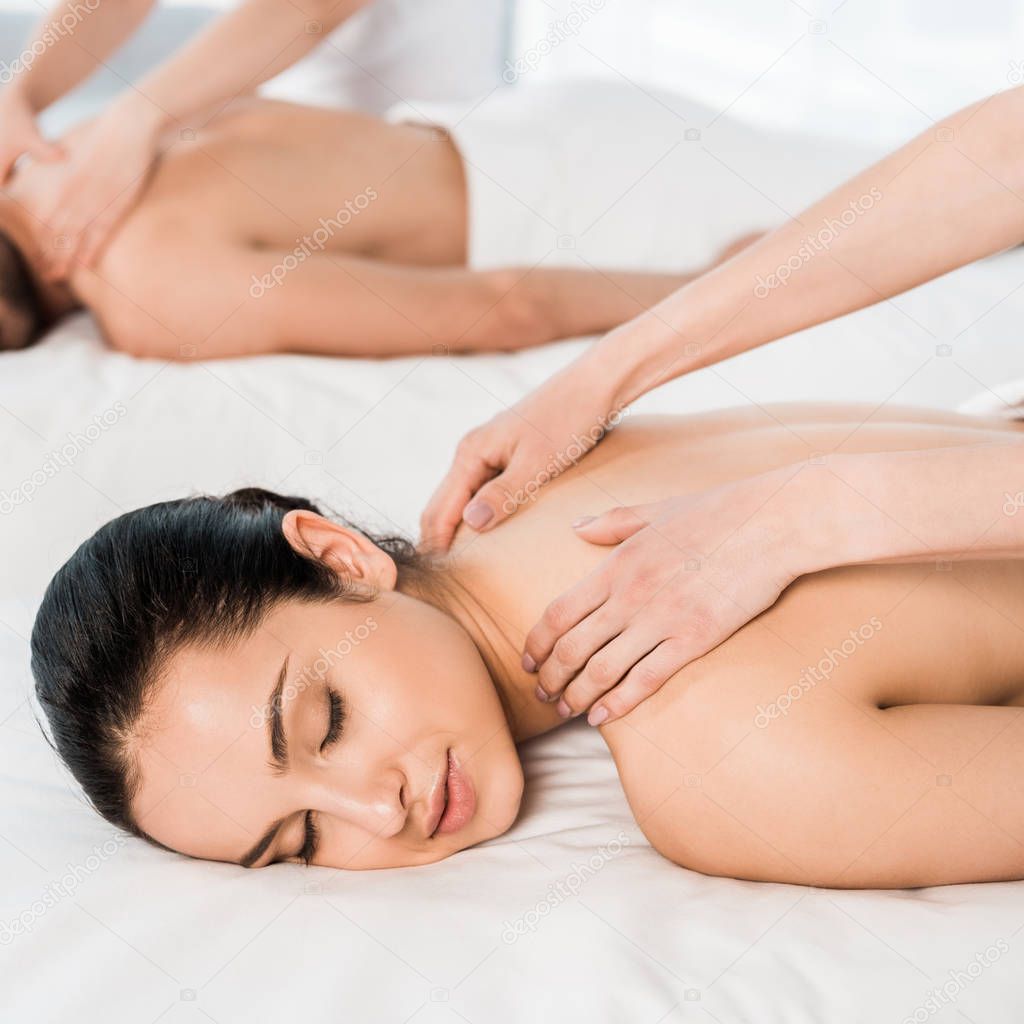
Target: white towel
<point>610,174</point>
<point>1005,400</point>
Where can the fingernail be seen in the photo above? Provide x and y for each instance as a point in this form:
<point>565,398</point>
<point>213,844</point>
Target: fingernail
<point>529,665</point>
<point>597,716</point>
<point>542,694</point>
<point>563,709</point>
<point>582,521</point>
<point>477,515</point>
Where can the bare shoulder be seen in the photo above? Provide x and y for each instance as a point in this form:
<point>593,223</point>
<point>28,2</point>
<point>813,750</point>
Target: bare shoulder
<point>787,752</point>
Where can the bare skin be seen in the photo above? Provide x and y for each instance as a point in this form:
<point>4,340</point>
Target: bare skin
<point>186,275</point>
<point>899,764</point>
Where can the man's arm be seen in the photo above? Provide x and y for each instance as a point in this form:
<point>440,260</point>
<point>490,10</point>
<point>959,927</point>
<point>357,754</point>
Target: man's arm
<point>247,302</point>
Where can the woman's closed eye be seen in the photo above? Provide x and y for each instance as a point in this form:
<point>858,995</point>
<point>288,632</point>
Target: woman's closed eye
<point>337,714</point>
<point>336,719</point>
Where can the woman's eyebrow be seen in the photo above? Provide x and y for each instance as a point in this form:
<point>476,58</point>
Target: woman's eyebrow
<point>278,742</point>
<point>275,724</point>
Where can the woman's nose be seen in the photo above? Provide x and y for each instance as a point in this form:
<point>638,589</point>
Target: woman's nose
<point>374,805</point>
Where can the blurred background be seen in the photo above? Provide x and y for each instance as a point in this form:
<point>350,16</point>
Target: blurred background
<point>874,71</point>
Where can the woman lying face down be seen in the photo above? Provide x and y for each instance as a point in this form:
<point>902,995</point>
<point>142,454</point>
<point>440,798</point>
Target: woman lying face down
<point>243,679</point>
<point>268,693</point>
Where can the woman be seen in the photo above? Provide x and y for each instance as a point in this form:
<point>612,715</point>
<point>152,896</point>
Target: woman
<point>242,679</point>
<point>952,195</point>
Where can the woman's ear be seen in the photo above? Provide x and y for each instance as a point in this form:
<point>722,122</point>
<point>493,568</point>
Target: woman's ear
<point>346,551</point>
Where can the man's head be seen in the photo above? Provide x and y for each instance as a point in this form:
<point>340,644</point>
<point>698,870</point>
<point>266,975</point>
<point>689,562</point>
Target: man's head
<point>21,311</point>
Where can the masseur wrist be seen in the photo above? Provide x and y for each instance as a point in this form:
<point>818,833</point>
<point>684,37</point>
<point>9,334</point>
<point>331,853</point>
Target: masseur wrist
<point>18,94</point>
<point>136,109</point>
<point>788,529</point>
<point>674,337</point>
<point>832,524</point>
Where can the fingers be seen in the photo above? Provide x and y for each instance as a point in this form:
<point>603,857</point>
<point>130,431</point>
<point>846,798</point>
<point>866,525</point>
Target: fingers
<point>561,616</point>
<point>444,510</point>
<point>606,668</point>
<point>97,234</point>
<point>613,527</point>
<point>37,147</point>
<point>646,677</point>
<point>495,501</point>
<point>575,649</point>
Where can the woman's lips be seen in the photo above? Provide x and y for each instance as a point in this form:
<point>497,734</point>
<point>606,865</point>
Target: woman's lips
<point>438,799</point>
<point>459,799</point>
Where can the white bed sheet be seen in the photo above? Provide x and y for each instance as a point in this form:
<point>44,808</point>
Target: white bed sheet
<point>136,935</point>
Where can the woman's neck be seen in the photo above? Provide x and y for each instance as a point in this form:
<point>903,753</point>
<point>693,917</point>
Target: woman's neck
<point>454,588</point>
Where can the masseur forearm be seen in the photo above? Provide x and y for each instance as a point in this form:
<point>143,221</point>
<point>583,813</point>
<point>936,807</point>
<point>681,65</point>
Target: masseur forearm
<point>911,506</point>
<point>952,195</point>
<point>237,52</point>
<point>70,42</point>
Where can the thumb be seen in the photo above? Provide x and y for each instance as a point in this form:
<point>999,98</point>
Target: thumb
<point>497,500</point>
<point>613,526</point>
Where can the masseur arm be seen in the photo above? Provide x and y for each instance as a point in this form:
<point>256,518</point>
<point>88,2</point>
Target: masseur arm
<point>107,164</point>
<point>689,571</point>
<point>942,204</point>
<point>50,64</point>
<point>950,196</point>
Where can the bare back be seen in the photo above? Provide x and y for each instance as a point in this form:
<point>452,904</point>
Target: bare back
<point>867,730</point>
<point>266,173</point>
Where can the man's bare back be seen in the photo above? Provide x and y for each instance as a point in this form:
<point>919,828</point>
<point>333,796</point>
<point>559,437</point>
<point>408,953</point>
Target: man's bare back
<point>286,228</point>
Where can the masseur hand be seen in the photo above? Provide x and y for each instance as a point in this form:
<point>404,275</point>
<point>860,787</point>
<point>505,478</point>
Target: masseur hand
<point>107,163</point>
<point>939,207</point>
<point>19,133</point>
<point>500,466</point>
<point>687,573</point>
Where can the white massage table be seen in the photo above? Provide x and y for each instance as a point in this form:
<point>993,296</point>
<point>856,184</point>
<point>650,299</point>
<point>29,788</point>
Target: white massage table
<point>568,917</point>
